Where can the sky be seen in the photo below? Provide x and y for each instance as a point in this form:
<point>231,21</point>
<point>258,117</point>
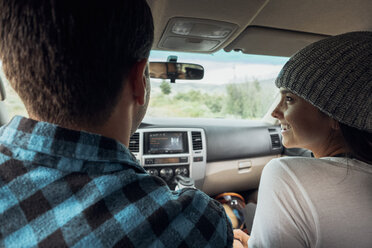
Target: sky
<point>232,67</point>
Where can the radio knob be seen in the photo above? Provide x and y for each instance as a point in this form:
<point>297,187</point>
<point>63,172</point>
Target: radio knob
<point>177,171</point>
<point>153,172</point>
<point>184,172</point>
<point>163,173</point>
<point>166,173</point>
<point>181,171</point>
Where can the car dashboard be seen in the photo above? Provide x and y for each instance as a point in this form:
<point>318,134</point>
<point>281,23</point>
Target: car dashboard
<point>219,155</point>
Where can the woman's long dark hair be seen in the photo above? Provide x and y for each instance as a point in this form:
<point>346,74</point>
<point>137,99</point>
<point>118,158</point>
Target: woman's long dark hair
<point>359,142</point>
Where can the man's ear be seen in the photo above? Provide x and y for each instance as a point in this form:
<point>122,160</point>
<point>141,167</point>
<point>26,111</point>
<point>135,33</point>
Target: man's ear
<point>137,80</point>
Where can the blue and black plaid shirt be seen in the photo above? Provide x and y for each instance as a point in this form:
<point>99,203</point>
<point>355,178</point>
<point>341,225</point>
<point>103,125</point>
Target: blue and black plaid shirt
<point>60,187</point>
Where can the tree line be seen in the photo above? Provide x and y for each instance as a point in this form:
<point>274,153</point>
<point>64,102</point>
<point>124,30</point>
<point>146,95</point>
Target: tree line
<point>247,100</point>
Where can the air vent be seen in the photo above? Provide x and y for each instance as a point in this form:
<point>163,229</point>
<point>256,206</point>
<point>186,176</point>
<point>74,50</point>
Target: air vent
<point>134,143</point>
<point>275,141</point>
<point>196,141</point>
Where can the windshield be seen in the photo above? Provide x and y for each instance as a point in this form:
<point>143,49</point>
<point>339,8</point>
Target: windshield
<point>13,104</point>
<point>235,86</point>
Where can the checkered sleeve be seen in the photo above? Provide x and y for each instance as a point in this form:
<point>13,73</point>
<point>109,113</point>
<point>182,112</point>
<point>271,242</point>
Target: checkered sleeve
<point>201,223</point>
<point>159,217</point>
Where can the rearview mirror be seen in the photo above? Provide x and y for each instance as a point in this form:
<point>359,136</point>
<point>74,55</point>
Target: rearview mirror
<point>173,71</point>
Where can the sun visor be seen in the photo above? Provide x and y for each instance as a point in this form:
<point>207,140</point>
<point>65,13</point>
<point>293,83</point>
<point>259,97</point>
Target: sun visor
<point>195,35</point>
<point>270,41</point>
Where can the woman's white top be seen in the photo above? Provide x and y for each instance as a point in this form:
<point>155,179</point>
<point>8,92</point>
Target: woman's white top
<point>309,202</point>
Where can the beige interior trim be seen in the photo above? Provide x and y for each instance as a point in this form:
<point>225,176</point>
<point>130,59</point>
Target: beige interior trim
<point>327,17</point>
<point>234,175</point>
<point>259,40</point>
<point>239,12</point>
<point>318,17</point>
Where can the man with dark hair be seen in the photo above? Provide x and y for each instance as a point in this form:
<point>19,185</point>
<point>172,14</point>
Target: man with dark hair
<point>66,176</point>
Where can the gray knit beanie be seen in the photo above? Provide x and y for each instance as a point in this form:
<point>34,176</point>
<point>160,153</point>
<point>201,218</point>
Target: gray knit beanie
<point>335,75</point>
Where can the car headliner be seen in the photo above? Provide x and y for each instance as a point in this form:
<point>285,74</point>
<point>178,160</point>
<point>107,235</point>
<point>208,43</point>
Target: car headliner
<point>276,27</point>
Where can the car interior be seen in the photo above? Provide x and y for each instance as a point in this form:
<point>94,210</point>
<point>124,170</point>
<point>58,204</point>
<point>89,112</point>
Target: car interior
<point>227,155</point>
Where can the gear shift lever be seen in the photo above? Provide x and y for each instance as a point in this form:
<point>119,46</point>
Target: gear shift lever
<point>184,182</point>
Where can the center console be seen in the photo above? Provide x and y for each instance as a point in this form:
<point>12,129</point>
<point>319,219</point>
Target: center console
<point>168,152</point>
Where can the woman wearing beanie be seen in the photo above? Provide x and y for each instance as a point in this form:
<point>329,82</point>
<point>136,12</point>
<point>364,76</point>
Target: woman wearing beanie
<point>326,107</point>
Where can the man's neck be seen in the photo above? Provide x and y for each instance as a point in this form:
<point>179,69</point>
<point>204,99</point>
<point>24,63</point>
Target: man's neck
<point>112,130</point>
<point>115,128</point>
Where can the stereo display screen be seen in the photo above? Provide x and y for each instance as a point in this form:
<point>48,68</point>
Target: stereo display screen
<point>166,142</point>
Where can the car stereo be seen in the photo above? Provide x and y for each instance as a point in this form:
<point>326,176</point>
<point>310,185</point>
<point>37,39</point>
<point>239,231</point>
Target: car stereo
<point>165,143</point>
<point>169,152</point>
